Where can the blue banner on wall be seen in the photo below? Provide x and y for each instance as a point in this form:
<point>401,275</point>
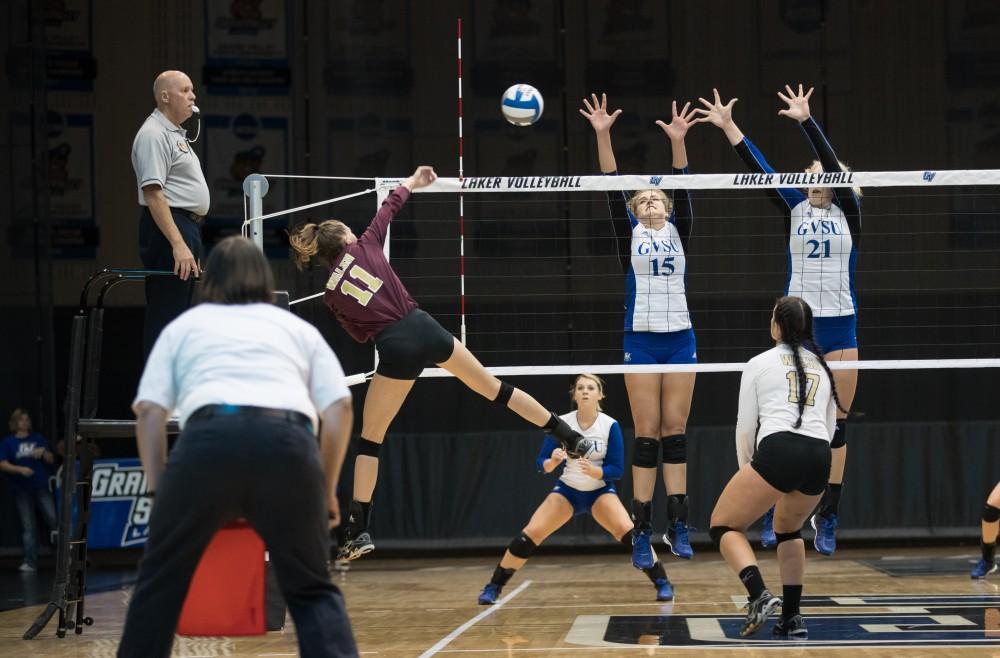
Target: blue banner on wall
<point>119,517</point>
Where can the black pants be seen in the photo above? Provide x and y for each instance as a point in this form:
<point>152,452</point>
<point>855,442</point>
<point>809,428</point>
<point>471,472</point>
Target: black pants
<point>166,296</point>
<point>268,471</point>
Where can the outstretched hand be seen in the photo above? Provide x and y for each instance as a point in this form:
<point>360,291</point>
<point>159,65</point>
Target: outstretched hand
<point>422,177</point>
<point>717,113</point>
<point>798,104</point>
<point>597,113</point>
<point>679,123</point>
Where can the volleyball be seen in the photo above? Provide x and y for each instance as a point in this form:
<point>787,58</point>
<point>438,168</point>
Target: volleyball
<point>522,105</point>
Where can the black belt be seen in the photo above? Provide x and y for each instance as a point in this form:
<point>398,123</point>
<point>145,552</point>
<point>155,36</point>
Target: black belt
<point>197,219</point>
<point>213,410</point>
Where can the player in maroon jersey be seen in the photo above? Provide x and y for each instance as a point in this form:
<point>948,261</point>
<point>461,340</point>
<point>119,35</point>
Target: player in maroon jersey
<point>371,303</point>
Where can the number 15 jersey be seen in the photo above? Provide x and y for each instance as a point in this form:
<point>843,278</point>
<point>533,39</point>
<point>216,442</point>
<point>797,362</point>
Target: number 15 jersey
<point>363,291</point>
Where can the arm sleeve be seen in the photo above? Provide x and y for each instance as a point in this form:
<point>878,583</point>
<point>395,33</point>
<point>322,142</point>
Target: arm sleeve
<point>380,223</point>
<point>847,198</point>
<point>548,446</point>
<point>622,223</point>
<point>784,198</point>
<point>150,159</point>
<point>746,417</point>
<point>683,212</point>
<point>158,384</point>
<point>614,460</point>
<point>326,376</point>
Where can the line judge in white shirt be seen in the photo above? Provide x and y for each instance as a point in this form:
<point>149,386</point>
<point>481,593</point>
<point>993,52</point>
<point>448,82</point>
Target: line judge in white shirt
<point>787,417</point>
<point>248,381</point>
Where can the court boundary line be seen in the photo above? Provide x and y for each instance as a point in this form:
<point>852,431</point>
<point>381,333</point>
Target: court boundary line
<point>446,640</point>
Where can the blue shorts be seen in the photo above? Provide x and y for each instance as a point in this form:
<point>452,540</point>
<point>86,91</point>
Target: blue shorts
<point>651,348</point>
<point>836,333</point>
<point>582,501</point>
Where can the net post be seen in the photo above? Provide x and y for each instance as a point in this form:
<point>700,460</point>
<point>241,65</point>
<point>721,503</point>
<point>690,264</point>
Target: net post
<point>255,187</point>
<point>383,186</point>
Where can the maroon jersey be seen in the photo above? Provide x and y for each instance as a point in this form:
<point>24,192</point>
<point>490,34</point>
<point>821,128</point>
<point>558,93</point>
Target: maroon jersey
<point>363,290</point>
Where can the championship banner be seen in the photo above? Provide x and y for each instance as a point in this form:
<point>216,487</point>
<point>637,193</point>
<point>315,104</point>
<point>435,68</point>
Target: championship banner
<point>71,184</point>
<point>119,516</point>
<point>69,60</point>
<point>246,47</point>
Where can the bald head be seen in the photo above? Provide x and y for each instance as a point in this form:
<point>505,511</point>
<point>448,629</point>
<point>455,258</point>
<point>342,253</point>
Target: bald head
<point>174,95</point>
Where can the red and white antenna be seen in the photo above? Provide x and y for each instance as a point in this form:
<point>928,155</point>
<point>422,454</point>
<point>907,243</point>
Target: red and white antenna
<point>461,198</point>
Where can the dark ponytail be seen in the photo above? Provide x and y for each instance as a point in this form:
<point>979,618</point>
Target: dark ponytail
<point>795,320</point>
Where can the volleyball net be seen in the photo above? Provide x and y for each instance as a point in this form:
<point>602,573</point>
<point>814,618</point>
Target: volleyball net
<point>527,269</point>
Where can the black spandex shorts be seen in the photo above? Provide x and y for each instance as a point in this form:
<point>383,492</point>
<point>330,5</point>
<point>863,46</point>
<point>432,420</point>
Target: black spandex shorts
<point>793,462</point>
<point>409,345</point>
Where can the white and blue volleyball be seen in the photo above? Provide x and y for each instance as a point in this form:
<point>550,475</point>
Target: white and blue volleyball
<point>522,105</point>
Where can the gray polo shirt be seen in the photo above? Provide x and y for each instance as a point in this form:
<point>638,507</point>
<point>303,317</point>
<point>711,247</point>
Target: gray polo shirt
<point>161,155</point>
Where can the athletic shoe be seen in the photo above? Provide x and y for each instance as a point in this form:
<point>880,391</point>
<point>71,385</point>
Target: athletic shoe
<point>356,547</point>
<point>792,629</point>
<point>767,537</point>
<point>983,569</point>
<point>826,533</point>
<point>677,540</point>
<point>29,568</point>
<point>490,594</point>
<point>758,610</point>
<point>664,590</point>
<point>642,551</point>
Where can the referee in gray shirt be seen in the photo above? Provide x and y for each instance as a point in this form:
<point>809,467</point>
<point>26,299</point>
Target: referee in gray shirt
<point>174,198</point>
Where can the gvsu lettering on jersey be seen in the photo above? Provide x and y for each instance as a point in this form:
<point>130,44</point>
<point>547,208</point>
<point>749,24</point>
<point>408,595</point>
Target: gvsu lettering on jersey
<point>658,247</point>
<point>822,227</point>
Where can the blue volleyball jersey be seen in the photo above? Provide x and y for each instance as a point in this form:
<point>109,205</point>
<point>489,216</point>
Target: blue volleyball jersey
<point>609,455</point>
<point>656,265</point>
<point>822,242</point>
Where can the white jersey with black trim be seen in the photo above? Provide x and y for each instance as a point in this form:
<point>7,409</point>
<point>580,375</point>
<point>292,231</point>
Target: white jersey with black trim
<point>656,298</point>
<point>572,474</point>
<point>769,393</point>
<point>821,258</point>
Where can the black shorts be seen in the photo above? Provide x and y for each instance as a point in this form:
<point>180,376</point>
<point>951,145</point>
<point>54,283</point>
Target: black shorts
<point>793,462</point>
<point>409,345</point>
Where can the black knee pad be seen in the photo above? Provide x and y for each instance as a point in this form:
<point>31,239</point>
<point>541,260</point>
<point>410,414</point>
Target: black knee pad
<point>674,449</point>
<point>368,448</point>
<point>503,395</point>
<point>646,450</point>
<point>788,536</point>
<point>522,547</point>
<point>716,532</point>
<point>840,436</point>
<point>991,514</point>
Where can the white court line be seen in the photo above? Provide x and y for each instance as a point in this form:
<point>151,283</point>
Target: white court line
<point>469,624</point>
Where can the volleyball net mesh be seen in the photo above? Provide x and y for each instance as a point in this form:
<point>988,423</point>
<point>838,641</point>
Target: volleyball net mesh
<point>544,285</point>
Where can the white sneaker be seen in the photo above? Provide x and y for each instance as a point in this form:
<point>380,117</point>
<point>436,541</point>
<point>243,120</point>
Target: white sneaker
<point>26,568</point>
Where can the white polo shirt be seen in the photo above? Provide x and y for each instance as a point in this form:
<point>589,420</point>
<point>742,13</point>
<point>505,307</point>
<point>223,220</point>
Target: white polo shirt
<point>242,354</point>
<point>161,155</point>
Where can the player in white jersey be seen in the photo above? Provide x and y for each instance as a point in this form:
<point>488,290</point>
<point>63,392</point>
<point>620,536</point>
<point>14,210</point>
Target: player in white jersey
<point>787,417</point>
<point>653,231</point>
<point>824,235</point>
<point>586,486</point>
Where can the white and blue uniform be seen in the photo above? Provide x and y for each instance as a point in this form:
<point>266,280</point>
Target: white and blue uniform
<point>822,246</point>
<point>577,487</point>
<point>658,325</point>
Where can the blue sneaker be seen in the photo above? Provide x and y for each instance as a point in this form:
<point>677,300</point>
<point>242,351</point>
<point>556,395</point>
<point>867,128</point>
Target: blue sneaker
<point>982,569</point>
<point>676,539</point>
<point>490,594</point>
<point>826,533</point>
<point>767,537</point>
<point>642,551</point>
<point>664,590</point>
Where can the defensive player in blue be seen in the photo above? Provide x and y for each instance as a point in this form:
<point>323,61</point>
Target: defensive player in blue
<point>824,234</point>
<point>652,233</point>
<point>586,486</point>
<point>990,525</point>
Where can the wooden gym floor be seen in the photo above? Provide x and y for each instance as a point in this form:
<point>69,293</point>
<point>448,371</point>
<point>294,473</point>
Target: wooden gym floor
<point>862,602</point>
